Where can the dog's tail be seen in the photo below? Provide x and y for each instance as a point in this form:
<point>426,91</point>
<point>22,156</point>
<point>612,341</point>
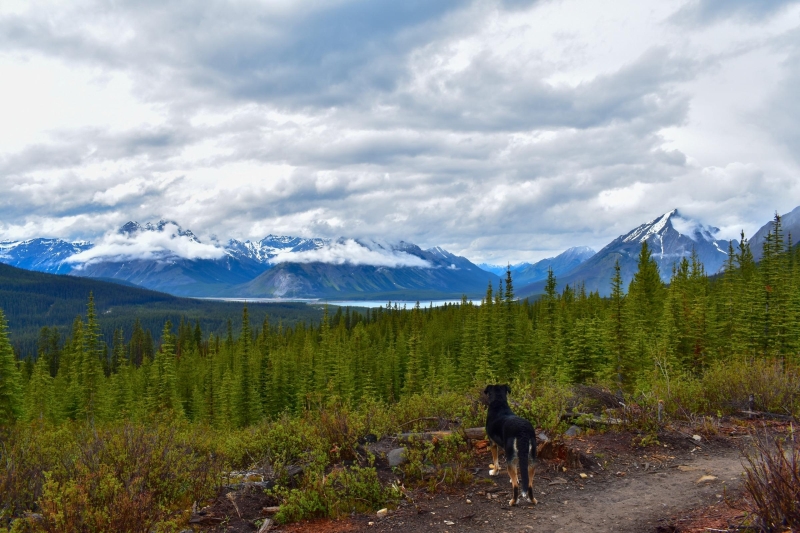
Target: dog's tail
<point>526,448</point>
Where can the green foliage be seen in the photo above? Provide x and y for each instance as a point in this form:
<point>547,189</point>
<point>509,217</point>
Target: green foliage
<point>543,402</point>
<point>438,463</point>
<point>342,491</point>
<point>119,478</point>
<point>10,379</point>
<point>126,479</point>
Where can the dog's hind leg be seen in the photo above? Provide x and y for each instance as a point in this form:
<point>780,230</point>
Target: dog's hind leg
<point>495,467</point>
<point>531,472</point>
<point>512,473</point>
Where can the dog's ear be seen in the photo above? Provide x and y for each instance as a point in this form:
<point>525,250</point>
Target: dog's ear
<point>486,390</point>
<point>508,388</point>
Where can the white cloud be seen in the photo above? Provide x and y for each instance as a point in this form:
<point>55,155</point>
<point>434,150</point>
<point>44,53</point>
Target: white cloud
<point>146,245</point>
<point>352,252</point>
<point>502,135</point>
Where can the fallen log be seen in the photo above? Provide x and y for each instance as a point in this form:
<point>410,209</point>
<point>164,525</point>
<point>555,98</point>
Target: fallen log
<point>588,419</point>
<point>469,433</point>
<point>764,414</point>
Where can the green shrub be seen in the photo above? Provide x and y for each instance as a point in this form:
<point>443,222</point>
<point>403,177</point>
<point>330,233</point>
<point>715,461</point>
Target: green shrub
<point>277,444</point>
<point>436,463</point>
<point>27,453</point>
<point>341,492</point>
<point>725,387</point>
<point>542,402</point>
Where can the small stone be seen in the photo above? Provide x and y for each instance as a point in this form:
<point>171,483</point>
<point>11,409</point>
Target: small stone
<point>706,479</point>
<point>449,523</point>
<point>383,512</point>
<point>573,431</point>
<point>584,476</point>
<point>558,481</point>
<point>469,501</point>
<point>697,438</point>
<point>370,523</point>
<point>396,457</point>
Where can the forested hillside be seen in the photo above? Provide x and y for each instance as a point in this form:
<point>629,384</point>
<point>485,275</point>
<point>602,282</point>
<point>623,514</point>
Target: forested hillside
<point>32,300</point>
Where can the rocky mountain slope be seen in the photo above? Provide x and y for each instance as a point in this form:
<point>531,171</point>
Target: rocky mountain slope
<point>670,238</point>
<point>446,275</point>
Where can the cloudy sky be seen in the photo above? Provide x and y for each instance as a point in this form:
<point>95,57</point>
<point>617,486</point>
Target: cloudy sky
<point>502,131</point>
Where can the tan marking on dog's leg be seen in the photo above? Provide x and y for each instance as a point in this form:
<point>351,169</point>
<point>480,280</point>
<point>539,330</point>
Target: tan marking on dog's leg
<point>495,469</point>
<point>531,472</point>
<point>512,473</point>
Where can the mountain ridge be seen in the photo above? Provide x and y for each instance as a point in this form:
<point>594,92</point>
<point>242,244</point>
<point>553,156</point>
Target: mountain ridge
<point>668,246</point>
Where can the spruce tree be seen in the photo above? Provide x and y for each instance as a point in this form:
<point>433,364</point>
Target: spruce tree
<point>10,379</point>
<point>247,400</point>
<point>618,331</point>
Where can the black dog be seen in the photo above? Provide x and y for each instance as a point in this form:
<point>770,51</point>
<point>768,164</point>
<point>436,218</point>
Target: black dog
<point>516,436</point>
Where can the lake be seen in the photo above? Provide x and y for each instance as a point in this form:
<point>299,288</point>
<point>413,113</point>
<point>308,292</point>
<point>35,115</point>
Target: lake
<point>344,303</point>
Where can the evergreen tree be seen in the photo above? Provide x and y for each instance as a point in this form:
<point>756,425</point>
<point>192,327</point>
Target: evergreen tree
<point>248,406</point>
<point>163,394</point>
<point>618,331</point>
<point>10,380</point>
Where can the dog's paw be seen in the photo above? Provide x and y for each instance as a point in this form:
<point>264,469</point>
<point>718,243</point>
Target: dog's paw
<point>493,472</point>
<point>534,501</point>
<point>512,503</point>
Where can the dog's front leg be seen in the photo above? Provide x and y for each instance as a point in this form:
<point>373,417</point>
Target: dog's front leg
<point>495,466</point>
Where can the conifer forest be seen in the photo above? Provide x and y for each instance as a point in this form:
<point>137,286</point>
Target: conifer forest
<point>700,343</point>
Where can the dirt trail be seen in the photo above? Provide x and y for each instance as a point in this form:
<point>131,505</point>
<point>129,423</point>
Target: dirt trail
<point>639,502</point>
<point>620,487</point>
<point>636,492</point>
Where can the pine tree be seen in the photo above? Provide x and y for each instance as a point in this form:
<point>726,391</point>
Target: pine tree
<point>414,372</point>
<point>618,331</point>
<point>645,306</point>
<point>247,401</point>
<point>39,396</point>
<point>164,396</point>
<point>92,336</point>
<point>10,380</point>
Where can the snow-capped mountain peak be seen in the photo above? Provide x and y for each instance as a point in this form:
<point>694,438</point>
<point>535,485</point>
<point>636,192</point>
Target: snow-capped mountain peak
<point>132,227</point>
<point>654,227</point>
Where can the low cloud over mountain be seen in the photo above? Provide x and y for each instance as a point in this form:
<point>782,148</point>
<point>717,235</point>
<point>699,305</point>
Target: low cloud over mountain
<point>147,244</point>
<point>353,252</point>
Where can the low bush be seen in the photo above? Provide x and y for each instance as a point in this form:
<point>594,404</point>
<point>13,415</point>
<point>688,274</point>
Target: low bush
<point>436,463</point>
<point>343,491</point>
<point>123,478</point>
<point>772,483</point>
<point>27,453</point>
<point>543,402</point>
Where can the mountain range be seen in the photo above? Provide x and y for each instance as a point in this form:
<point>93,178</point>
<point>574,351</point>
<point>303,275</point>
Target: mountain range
<point>163,256</point>
<point>525,273</point>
